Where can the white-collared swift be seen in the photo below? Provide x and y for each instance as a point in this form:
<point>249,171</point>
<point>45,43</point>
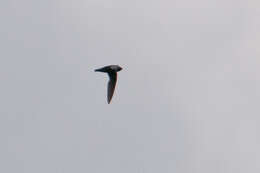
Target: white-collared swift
<point>111,70</point>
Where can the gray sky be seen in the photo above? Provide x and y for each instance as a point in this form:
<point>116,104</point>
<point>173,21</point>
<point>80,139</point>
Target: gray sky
<point>187,100</point>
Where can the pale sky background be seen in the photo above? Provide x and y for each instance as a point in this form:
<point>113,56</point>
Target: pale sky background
<point>187,100</point>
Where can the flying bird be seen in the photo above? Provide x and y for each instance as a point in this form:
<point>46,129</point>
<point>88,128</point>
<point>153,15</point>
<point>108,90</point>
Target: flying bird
<point>111,70</point>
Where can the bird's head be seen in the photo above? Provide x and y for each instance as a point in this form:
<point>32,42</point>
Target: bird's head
<point>116,68</point>
<point>119,68</point>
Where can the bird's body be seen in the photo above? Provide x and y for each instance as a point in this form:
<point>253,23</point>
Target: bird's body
<point>111,70</point>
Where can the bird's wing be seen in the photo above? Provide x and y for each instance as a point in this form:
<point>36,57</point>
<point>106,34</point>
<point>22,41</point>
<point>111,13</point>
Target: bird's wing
<point>111,85</point>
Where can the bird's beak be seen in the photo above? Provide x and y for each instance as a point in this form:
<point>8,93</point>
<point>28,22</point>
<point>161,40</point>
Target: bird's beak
<point>99,70</point>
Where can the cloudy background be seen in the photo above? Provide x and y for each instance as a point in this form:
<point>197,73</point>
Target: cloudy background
<point>187,100</point>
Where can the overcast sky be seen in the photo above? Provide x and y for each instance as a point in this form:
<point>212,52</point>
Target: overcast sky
<point>186,101</point>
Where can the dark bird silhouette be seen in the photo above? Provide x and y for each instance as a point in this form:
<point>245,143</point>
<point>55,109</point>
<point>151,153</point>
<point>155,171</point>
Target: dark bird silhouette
<point>111,70</point>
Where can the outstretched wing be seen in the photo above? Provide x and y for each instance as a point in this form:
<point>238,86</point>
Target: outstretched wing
<point>111,85</point>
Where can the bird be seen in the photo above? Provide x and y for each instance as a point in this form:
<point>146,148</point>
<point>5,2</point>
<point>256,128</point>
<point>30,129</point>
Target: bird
<point>111,70</point>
